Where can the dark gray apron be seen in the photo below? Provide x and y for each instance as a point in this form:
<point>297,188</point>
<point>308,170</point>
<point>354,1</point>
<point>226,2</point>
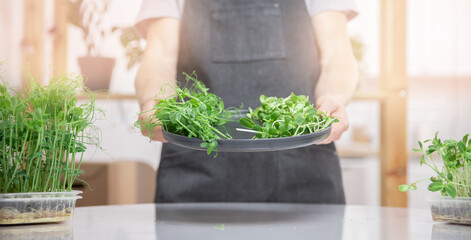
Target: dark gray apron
<point>241,49</point>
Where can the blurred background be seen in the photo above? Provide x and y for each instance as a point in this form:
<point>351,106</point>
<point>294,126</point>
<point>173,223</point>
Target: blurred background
<point>414,58</point>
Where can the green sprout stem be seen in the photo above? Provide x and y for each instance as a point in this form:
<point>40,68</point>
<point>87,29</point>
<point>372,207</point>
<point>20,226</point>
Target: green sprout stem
<point>191,111</point>
<point>454,178</point>
<point>41,134</point>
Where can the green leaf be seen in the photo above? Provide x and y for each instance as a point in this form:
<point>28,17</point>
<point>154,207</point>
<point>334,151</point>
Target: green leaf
<point>80,149</point>
<point>435,186</point>
<point>465,138</point>
<point>274,116</point>
<point>262,98</point>
<point>420,145</point>
<point>273,131</point>
<point>404,188</point>
<point>311,112</point>
<point>258,128</point>
<point>461,147</point>
<point>299,120</point>
<point>451,191</point>
<point>449,177</point>
<point>245,122</point>
<point>422,160</point>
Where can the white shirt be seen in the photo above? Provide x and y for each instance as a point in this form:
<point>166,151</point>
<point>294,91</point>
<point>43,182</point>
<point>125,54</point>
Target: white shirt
<point>151,9</point>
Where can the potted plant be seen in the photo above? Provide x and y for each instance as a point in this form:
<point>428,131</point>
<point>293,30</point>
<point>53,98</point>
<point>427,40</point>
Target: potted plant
<point>43,133</point>
<point>133,46</point>
<point>88,17</point>
<point>452,179</point>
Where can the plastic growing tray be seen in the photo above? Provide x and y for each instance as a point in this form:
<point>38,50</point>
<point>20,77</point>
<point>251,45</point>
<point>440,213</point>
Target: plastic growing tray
<point>244,142</point>
<point>37,207</point>
<point>453,210</point>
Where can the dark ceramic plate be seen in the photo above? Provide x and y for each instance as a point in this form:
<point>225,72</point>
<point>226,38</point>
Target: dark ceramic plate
<point>243,142</point>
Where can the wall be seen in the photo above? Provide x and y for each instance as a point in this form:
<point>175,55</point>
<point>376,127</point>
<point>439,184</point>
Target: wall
<point>439,69</point>
<point>11,18</point>
<point>438,36</point>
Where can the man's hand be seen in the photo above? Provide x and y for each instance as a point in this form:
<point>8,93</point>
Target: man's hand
<point>157,71</point>
<point>333,108</point>
<point>339,71</point>
<point>156,133</point>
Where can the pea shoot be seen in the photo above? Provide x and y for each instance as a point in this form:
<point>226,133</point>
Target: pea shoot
<point>454,178</point>
<point>192,111</point>
<point>43,133</point>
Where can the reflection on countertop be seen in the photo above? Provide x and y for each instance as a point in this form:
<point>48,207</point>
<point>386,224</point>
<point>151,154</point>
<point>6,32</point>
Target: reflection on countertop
<point>240,221</point>
<point>445,231</point>
<point>49,231</point>
<point>249,221</point>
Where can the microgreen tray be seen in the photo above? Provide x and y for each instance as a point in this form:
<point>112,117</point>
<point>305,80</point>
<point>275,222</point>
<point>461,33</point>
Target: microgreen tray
<point>453,210</point>
<point>244,142</point>
<point>37,207</point>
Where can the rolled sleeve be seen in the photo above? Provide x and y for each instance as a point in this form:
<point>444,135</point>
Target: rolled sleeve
<point>346,6</point>
<point>151,9</point>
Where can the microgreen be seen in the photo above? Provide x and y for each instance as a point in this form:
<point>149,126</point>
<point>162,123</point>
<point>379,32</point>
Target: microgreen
<point>454,178</point>
<point>43,135</point>
<point>286,117</point>
<point>193,112</point>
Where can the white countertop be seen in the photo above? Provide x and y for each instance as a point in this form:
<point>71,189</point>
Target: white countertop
<point>241,221</point>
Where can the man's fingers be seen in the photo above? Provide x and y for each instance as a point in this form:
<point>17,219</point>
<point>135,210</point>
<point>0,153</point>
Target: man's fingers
<point>156,133</point>
<point>338,129</point>
<point>327,105</point>
<point>334,109</point>
<point>325,141</point>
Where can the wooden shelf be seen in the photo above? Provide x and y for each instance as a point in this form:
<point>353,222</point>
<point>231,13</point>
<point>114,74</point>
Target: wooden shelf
<point>350,152</point>
<point>368,95</point>
<point>355,153</point>
<point>111,96</point>
<point>357,150</point>
<point>358,95</point>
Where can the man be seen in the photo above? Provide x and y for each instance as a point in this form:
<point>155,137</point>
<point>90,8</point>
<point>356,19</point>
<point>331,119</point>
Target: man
<point>241,49</point>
